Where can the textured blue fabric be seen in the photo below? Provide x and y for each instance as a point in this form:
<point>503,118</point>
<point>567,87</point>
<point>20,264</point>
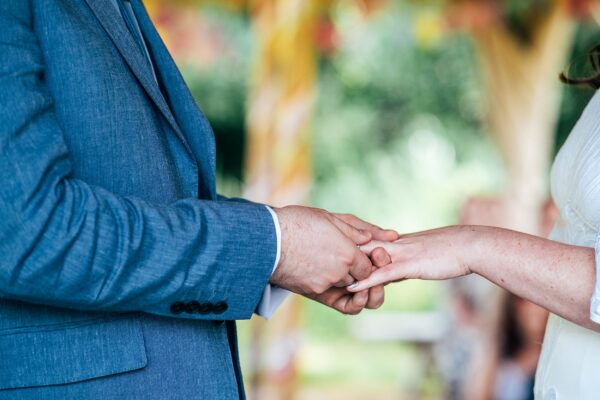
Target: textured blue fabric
<point>110,217</point>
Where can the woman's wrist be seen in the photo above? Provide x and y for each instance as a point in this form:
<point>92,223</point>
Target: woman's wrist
<point>479,240</point>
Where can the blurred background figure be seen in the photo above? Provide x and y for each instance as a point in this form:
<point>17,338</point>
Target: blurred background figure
<point>522,331</point>
<point>508,363</point>
<point>343,104</point>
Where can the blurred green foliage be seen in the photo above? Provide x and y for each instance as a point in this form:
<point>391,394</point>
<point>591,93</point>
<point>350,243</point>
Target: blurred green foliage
<point>220,88</point>
<point>574,99</point>
<point>398,136</point>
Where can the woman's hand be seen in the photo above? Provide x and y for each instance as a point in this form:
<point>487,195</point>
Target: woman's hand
<point>557,276</point>
<point>433,255</point>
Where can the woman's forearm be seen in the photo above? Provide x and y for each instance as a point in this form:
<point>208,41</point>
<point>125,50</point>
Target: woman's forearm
<point>556,276</point>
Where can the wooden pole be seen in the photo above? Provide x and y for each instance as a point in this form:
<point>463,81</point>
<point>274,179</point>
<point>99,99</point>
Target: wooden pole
<point>523,100</point>
<point>278,162</point>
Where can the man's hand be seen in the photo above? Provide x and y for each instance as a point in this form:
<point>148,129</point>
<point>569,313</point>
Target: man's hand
<point>377,233</point>
<point>320,257</point>
<point>376,294</point>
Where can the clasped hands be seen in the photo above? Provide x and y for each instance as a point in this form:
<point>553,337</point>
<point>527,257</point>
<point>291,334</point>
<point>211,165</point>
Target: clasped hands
<point>321,255</point>
<point>344,262</point>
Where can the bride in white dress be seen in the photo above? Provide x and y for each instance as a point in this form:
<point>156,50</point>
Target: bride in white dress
<point>561,274</point>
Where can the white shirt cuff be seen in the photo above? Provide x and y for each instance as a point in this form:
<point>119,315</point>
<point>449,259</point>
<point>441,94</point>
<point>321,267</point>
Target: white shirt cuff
<point>273,296</point>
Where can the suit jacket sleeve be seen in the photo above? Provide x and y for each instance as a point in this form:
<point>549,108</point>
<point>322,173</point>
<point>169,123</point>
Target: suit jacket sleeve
<point>69,244</point>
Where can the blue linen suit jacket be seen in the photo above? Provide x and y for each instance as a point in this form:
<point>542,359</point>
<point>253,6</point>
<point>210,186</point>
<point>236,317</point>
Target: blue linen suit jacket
<point>119,263</point>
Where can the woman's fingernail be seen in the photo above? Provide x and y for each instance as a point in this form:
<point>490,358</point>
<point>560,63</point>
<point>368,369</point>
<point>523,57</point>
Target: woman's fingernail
<point>353,285</point>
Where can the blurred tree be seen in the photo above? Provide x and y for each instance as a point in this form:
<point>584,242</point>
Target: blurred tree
<point>279,162</point>
<point>521,46</point>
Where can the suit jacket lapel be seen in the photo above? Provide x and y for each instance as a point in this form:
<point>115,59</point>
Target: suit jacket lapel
<point>193,123</point>
<point>116,29</point>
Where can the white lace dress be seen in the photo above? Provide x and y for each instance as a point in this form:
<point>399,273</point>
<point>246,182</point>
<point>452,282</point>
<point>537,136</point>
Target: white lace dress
<point>569,368</point>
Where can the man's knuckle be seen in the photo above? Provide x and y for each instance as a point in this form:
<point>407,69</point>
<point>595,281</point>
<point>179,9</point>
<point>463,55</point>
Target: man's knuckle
<point>336,276</point>
<point>347,257</point>
<point>313,288</point>
<point>322,288</point>
<point>310,290</point>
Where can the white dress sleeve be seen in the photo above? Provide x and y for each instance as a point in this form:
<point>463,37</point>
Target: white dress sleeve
<point>595,305</point>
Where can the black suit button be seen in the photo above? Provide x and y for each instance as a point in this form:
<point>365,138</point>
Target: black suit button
<point>220,307</point>
<point>192,307</point>
<point>204,308</point>
<point>178,307</point>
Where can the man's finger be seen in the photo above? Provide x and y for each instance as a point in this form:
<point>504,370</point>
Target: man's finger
<point>352,303</point>
<point>356,235</point>
<point>330,296</point>
<point>386,235</point>
<point>368,248</point>
<point>380,257</point>
<point>376,297</point>
<point>362,266</point>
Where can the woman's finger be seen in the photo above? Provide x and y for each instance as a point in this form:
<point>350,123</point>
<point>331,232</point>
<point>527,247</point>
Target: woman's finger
<point>345,281</point>
<point>354,303</point>
<point>387,274</point>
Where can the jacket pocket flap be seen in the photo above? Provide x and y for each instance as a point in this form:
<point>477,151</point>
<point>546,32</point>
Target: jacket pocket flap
<point>66,354</point>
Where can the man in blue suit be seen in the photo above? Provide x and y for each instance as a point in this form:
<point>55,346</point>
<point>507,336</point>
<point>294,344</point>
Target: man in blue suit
<point>120,263</point>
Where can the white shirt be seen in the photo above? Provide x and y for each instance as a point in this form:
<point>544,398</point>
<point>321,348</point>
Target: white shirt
<point>273,296</point>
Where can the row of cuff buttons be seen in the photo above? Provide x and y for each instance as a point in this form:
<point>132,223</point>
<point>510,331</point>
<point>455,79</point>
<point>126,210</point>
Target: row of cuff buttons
<point>193,307</point>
